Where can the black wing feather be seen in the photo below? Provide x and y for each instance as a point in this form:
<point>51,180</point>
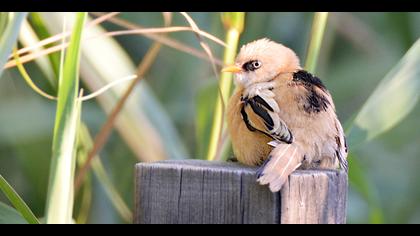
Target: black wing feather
<point>257,99</point>
<point>259,106</point>
<point>260,111</point>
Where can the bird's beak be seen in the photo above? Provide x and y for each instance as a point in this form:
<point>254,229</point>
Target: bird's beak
<point>233,69</point>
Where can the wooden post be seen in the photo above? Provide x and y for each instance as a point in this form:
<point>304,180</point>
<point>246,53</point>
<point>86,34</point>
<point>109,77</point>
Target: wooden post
<point>201,192</point>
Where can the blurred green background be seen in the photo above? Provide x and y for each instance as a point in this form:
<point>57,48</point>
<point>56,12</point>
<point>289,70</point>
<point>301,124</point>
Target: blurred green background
<point>358,50</point>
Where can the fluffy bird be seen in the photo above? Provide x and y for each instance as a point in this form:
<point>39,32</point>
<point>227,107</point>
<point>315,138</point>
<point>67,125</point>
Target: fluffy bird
<point>281,117</point>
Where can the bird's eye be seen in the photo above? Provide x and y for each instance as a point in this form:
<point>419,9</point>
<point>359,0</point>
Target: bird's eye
<point>252,65</point>
<point>256,64</point>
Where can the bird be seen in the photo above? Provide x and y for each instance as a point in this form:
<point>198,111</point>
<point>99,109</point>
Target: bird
<point>281,117</point>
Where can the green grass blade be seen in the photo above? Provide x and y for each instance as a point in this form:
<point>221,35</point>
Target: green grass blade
<point>393,99</point>
<point>317,33</point>
<point>85,207</point>
<point>86,144</point>
<point>116,199</point>
<point>204,106</point>
<point>3,21</point>
<point>10,23</point>
<point>60,189</point>
<point>9,215</point>
<point>17,202</point>
<point>234,23</point>
<point>143,123</point>
<point>85,138</point>
<point>42,32</point>
<point>28,37</point>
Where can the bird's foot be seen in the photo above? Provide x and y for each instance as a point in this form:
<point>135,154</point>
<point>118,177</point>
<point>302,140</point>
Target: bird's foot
<point>260,170</point>
<point>232,159</point>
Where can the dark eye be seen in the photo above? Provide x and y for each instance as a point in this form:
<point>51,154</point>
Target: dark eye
<point>256,64</point>
<point>252,65</point>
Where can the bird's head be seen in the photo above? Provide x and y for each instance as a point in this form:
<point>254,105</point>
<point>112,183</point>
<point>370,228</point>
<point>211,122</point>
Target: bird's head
<point>261,61</point>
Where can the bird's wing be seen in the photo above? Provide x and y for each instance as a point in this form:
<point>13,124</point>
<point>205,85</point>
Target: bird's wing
<point>261,113</point>
<point>342,149</point>
<point>320,100</point>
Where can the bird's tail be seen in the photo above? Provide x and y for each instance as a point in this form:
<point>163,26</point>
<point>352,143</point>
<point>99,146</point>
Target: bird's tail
<point>283,160</point>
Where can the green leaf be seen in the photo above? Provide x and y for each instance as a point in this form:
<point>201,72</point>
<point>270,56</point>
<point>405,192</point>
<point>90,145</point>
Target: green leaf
<point>393,99</point>
<point>10,23</point>
<point>234,23</point>
<point>17,202</point>
<point>3,21</point>
<point>9,215</point>
<point>86,144</point>
<point>317,34</point>
<point>111,191</point>
<point>143,123</point>
<point>60,189</point>
<point>205,104</point>
<point>43,33</point>
<point>85,139</point>
<point>234,20</point>
<point>28,37</point>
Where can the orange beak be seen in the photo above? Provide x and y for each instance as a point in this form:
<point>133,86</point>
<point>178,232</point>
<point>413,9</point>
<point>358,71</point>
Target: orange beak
<point>232,69</point>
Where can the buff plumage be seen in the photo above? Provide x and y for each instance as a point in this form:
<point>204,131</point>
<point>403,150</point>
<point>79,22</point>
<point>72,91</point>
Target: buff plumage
<point>281,117</point>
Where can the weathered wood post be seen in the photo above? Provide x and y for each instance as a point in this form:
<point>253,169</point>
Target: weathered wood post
<point>194,192</point>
